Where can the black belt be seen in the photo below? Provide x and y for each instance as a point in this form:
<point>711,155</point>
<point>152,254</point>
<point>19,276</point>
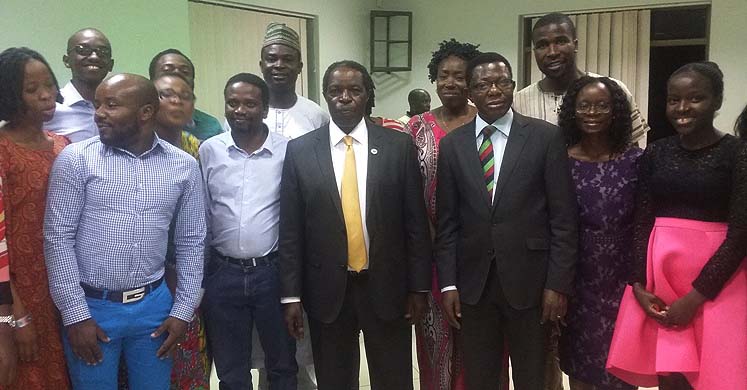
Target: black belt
<point>358,274</point>
<point>248,262</point>
<point>128,296</point>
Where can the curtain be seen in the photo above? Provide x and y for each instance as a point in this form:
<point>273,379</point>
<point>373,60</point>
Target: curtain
<point>227,40</point>
<point>614,44</point>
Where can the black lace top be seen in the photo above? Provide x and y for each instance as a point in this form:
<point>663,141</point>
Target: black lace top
<point>708,184</point>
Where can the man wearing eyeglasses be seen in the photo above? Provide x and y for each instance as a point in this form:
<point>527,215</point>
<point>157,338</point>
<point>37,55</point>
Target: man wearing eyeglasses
<point>89,57</point>
<point>506,234</point>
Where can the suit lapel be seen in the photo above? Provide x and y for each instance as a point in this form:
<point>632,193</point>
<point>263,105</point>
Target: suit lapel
<point>324,158</point>
<point>516,139</point>
<point>374,164</point>
<point>471,160</point>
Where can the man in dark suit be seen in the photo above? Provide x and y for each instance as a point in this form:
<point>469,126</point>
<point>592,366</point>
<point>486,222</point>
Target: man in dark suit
<point>507,230</point>
<point>354,241</point>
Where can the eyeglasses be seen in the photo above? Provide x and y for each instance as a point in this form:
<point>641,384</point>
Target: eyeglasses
<point>505,85</point>
<point>170,94</point>
<point>85,51</point>
<point>601,107</point>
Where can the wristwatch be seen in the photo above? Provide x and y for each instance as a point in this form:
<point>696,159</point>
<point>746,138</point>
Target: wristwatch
<point>8,320</point>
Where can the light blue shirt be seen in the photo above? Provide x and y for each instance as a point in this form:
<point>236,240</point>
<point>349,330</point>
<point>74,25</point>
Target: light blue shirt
<point>243,194</point>
<point>107,223</point>
<point>498,139</point>
<point>73,117</point>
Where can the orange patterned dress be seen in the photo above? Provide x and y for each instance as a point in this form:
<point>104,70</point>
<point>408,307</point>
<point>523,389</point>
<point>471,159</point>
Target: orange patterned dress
<point>25,173</point>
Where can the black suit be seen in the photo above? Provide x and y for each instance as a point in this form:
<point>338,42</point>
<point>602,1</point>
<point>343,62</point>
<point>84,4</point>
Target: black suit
<point>313,255</point>
<point>505,254</point>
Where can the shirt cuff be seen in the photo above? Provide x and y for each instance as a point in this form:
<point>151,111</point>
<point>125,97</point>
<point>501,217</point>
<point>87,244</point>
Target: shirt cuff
<point>285,300</point>
<point>75,314</point>
<point>448,288</point>
<point>182,312</point>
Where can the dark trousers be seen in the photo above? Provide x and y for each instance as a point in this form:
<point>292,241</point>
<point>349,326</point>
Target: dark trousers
<point>237,297</point>
<point>336,346</point>
<point>486,325</point>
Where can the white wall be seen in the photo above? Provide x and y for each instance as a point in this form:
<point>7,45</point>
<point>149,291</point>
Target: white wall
<point>495,25</point>
<point>137,29</point>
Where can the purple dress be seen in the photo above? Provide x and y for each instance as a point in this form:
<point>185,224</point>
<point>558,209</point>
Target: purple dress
<point>605,192</point>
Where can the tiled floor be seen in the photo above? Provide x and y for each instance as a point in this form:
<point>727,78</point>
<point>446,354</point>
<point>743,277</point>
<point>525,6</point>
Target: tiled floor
<point>364,380</point>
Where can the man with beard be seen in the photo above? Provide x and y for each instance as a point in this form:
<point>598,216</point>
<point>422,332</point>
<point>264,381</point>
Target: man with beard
<point>555,46</point>
<point>241,171</point>
<point>290,114</point>
<point>89,57</point>
<point>111,202</point>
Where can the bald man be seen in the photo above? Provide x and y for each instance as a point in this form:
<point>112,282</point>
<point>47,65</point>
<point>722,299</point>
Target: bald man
<point>111,201</point>
<point>419,101</point>
<point>89,58</point>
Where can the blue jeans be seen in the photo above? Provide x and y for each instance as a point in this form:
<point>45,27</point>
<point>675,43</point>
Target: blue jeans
<point>236,298</point>
<point>129,326</point>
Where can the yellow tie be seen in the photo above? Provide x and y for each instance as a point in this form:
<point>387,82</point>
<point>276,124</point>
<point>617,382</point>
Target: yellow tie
<point>351,210</point>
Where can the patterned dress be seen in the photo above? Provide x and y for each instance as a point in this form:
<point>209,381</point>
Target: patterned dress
<point>605,192</point>
<point>439,358</point>
<point>25,174</point>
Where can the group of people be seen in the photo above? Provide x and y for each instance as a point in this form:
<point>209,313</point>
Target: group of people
<point>147,241</point>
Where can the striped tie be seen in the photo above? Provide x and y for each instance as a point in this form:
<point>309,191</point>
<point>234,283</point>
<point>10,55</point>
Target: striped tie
<point>486,159</point>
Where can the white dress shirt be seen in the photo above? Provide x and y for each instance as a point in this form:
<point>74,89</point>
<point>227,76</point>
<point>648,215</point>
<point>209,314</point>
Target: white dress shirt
<point>73,117</point>
<point>360,148</point>
<point>499,139</point>
<point>243,194</point>
<point>338,149</point>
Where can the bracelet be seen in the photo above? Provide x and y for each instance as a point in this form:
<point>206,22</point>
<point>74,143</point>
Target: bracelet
<point>23,321</point>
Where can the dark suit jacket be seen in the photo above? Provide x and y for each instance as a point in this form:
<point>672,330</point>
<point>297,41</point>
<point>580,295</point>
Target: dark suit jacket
<point>531,229</point>
<point>313,244</point>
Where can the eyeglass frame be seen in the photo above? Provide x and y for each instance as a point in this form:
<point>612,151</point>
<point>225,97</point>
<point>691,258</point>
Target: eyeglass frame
<point>595,107</point>
<point>508,85</point>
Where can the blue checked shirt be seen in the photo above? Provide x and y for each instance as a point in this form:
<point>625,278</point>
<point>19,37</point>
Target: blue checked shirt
<point>107,223</point>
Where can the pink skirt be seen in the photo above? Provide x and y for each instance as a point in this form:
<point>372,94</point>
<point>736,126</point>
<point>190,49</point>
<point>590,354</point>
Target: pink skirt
<point>712,350</point>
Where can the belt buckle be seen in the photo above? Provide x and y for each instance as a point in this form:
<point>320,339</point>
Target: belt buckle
<point>133,295</point>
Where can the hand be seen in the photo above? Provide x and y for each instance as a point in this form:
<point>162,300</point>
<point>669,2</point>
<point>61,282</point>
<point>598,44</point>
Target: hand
<point>8,355</point>
<point>554,306</point>
<point>415,307</point>
<point>84,337</point>
<point>452,308</point>
<point>652,305</point>
<point>682,310</point>
<point>176,329</point>
<point>294,319</point>
<point>28,345</point>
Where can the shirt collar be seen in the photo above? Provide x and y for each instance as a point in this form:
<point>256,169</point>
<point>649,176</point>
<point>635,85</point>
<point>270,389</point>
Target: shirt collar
<point>158,143</point>
<point>270,144</point>
<point>503,124</point>
<point>359,133</point>
<point>70,94</point>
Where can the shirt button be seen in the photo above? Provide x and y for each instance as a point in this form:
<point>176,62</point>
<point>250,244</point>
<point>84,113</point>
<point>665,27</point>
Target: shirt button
<point>136,245</point>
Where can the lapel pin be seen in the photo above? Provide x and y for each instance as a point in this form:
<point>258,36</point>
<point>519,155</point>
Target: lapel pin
<point>374,151</point>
